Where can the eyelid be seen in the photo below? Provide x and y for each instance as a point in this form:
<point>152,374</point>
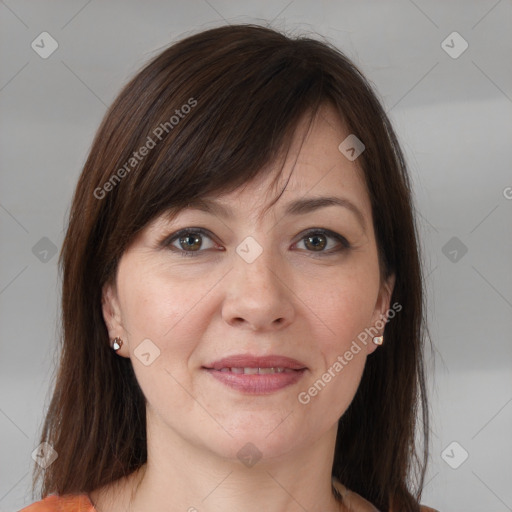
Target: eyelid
<point>167,241</point>
<point>328,233</point>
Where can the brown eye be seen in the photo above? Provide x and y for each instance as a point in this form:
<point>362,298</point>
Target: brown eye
<point>321,241</point>
<point>315,242</point>
<point>190,242</point>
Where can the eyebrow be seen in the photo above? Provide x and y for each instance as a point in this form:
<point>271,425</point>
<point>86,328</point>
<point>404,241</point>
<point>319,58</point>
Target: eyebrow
<point>297,207</point>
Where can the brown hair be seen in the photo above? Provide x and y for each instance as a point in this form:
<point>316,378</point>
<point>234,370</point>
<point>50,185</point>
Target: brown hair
<point>245,87</point>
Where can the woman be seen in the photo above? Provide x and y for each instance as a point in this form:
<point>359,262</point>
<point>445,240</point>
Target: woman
<point>242,293</point>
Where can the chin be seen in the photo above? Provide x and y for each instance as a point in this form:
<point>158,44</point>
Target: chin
<point>259,438</point>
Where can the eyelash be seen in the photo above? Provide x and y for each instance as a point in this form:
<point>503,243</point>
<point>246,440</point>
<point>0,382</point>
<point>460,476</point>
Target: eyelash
<point>167,241</point>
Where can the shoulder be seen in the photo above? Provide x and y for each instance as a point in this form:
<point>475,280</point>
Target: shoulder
<point>356,503</point>
<point>65,503</point>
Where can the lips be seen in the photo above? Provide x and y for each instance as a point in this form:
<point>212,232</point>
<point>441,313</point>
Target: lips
<point>256,375</point>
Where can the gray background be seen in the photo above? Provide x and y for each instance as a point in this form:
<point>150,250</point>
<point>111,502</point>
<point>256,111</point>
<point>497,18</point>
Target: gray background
<point>453,117</point>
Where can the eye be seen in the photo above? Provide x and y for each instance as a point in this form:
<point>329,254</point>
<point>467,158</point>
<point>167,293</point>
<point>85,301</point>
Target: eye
<point>188,241</point>
<point>191,241</point>
<point>316,240</point>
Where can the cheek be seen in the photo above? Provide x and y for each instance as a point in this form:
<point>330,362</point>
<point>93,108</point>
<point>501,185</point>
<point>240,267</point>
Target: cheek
<point>345,304</point>
<point>161,306</point>
<point>146,306</point>
<point>337,373</point>
<point>326,396</point>
<point>153,300</point>
<point>163,310</point>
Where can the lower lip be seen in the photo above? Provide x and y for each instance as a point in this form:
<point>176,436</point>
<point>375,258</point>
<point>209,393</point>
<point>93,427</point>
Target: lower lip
<point>256,383</point>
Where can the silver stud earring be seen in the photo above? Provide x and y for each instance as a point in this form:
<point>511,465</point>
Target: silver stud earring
<point>378,340</point>
<point>116,343</point>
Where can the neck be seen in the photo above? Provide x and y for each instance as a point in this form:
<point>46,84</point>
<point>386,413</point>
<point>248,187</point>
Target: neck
<point>181,475</point>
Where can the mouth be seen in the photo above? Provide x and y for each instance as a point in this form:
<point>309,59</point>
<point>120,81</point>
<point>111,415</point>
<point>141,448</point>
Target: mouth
<point>256,375</point>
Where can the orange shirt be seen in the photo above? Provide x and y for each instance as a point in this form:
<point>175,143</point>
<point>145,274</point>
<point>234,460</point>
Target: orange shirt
<point>65,503</point>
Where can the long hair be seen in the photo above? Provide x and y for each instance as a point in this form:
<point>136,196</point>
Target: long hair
<point>212,111</point>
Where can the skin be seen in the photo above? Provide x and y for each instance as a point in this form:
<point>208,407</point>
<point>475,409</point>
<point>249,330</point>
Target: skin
<point>292,301</point>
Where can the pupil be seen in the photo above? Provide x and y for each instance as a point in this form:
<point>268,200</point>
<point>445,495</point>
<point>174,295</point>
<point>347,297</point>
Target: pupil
<point>317,241</point>
<point>191,241</point>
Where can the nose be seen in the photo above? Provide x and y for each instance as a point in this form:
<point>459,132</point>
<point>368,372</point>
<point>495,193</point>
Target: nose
<point>258,296</point>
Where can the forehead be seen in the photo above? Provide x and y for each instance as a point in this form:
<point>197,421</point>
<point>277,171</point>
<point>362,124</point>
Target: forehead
<point>314,166</point>
<point>314,171</point>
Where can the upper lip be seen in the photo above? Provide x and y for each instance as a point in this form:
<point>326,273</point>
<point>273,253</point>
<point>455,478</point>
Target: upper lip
<point>249,361</point>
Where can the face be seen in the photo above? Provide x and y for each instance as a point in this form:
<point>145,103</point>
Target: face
<point>250,281</point>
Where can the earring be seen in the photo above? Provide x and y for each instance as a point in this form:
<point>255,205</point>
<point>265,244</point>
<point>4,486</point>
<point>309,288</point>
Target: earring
<point>378,340</point>
<point>116,343</point>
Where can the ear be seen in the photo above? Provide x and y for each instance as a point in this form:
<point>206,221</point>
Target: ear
<point>112,315</point>
<point>380,312</point>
